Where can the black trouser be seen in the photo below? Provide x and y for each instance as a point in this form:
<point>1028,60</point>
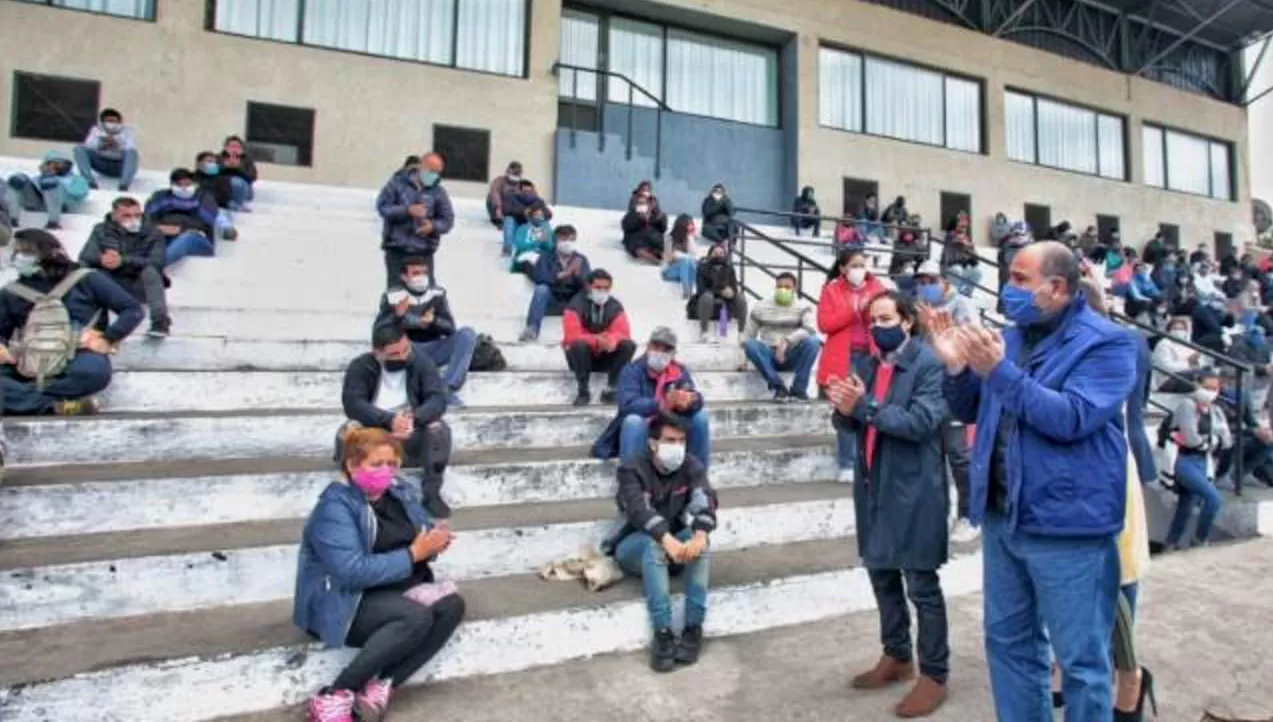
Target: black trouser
<point>798,224</point>
<point>924,590</point>
<point>582,361</point>
<point>707,306</point>
<point>397,637</point>
<point>147,287</point>
<point>955,447</point>
<point>393,265</point>
<point>429,449</point>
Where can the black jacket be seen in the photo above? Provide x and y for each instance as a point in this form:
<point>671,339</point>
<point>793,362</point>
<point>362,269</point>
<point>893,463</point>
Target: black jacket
<point>658,504</point>
<point>645,231</point>
<point>434,298</point>
<point>95,294</point>
<point>716,276</point>
<point>246,169</point>
<point>717,212</point>
<point>425,392</point>
<point>218,185</point>
<point>137,250</point>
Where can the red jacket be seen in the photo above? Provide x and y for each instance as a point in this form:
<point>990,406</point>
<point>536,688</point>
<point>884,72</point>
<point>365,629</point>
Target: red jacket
<point>842,316</point>
<point>584,321</point>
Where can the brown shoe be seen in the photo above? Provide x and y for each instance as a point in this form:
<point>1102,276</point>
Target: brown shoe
<point>923,699</point>
<point>887,671</point>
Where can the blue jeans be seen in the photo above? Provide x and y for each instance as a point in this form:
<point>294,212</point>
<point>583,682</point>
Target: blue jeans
<point>1066,585</point>
<point>634,435</point>
<point>88,160</point>
<point>26,194</point>
<point>641,556</point>
<point>240,192</point>
<point>683,270</point>
<point>85,375</point>
<point>542,303</point>
<point>510,232</point>
<point>188,243</point>
<point>1191,477</point>
<point>455,352</point>
<point>800,359</point>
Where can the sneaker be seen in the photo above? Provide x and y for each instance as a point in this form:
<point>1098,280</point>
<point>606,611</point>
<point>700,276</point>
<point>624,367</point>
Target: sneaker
<point>373,700</point>
<point>923,699</point>
<point>436,505</point>
<point>52,226</point>
<point>663,651</point>
<point>608,396</point>
<point>583,398</point>
<point>528,335</point>
<point>691,644</point>
<point>230,233</point>
<point>87,406</point>
<point>160,328</point>
<point>453,401</point>
<point>845,476</point>
<point>781,395</point>
<point>335,706</point>
<point>887,671</point>
<point>963,532</point>
<point>800,397</point>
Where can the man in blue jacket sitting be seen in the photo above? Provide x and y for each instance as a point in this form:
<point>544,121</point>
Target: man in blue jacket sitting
<point>558,277</point>
<point>417,212</point>
<point>656,383</point>
<point>1047,484</point>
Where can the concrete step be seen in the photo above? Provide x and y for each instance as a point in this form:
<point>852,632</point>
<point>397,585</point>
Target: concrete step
<point>111,501</point>
<point>111,438</point>
<point>248,563</point>
<point>143,391</point>
<point>248,658</point>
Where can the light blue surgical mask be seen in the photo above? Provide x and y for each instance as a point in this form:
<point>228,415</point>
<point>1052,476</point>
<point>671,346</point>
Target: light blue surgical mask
<point>1019,306</point>
<point>211,169</point>
<point>428,177</point>
<point>26,264</point>
<point>932,294</point>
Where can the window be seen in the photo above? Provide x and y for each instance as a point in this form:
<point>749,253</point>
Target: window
<point>47,107</point>
<point>1059,135</point>
<point>1185,162</point>
<point>952,204</point>
<point>467,152</point>
<point>485,35</point>
<point>1039,218</point>
<point>580,40</point>
<point>1107,229</point>
<point>281,134</point>
<point>864,93</point>
<point>139,9</point>
<point>636,52</point>
<point>855,192</point>
<point>1224,245</point>
<point>1170,233</point>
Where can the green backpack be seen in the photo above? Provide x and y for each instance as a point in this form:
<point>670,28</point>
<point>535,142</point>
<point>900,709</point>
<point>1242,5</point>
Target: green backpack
<point>47,340</point>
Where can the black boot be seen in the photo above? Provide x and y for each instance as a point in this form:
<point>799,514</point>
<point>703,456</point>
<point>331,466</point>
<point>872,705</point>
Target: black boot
<point>1146,690</point>
<point>584,397</point>
<point>433,501</point>
<point>663,651</point>
<point>691,644</point>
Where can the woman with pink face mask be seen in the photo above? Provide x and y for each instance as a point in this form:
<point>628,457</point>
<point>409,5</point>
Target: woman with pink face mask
<point>363,580</point>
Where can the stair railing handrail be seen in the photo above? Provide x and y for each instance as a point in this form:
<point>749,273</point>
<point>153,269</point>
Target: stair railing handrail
<point>603,99</point>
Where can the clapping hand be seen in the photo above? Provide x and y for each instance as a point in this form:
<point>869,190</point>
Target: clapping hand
<point>111,259</point>
<point>693,548</point>
<point>780,352</point>
<point>982,348</point>
<point>403,425</point>
<point>946,339</point>
<point>845,393</point>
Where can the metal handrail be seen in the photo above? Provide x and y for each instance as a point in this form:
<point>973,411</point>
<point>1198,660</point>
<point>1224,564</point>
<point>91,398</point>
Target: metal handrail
<point>603,96</point>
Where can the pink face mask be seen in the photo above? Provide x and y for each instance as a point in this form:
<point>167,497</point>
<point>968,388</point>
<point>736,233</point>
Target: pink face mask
<point>375,480</point>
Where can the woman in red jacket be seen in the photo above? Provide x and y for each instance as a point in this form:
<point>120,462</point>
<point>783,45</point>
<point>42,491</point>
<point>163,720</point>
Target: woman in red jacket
<point>843,318</point>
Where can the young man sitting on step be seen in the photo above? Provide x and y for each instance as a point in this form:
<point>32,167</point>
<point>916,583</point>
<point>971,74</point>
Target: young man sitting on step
<point>131,251</point>
<point>596,337</point>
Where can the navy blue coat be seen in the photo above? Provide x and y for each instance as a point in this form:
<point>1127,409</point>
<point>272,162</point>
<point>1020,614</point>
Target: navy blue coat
<point>901,505</point>
<point>404,189</point>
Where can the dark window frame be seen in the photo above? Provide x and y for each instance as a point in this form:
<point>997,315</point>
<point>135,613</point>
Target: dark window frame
<point>210,21</point>
<point>1170,233</point>
<point>152,17</point>
<point>864,184</point>
<point>448,172</point>
<point>1223,239</point>
<point>862,54</point>
<point>1025,215</point>
<point>1101,225</point>
<point>1230,151</point>
<point>1035,97</point>
<point>942,220</point>
<point>305,153</point>
<point>15,110</point>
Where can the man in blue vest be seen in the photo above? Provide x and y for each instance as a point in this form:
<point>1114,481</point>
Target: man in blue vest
<point>1047,481</point>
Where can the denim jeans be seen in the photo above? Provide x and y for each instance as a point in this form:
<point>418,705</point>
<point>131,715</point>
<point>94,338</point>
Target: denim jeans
<point>634,434</point>
<point>85,375</point>
<point>641,556</point>
<point>240,192</point>
<point>1194,487</point>
<point>510,232</point>
<point>542,303</point>
<point>24,194</point>
<point>188,243</point>
<point>88,160</point>
<point>800,359</point>
<point>455,352</point>
<point>683,270</point>
<point>1066,585</point>
<point>224,222</point>
<point>923,587</point>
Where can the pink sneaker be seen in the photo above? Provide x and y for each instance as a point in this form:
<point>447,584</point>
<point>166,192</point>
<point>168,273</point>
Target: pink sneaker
<point>373,700</point>
<point>337,706</point>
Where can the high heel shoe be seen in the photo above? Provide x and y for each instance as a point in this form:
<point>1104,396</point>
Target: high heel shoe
<point>1146,690</point>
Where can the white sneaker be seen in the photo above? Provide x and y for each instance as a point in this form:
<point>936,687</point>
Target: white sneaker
<point>845,476</point>
<point>963,532</point>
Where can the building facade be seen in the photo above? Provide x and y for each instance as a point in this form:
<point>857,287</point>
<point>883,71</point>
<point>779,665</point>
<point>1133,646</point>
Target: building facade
<point>846,96</point>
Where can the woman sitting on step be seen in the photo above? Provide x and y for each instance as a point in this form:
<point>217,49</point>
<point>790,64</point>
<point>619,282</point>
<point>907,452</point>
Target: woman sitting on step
<point>363,580</point>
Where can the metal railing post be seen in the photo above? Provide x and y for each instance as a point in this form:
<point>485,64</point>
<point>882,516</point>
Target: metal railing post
<point>742,256</point>
<point>630,109</point>
<point>574,107</point>
<point>800,276</point>
<point>658,143</point>
<point>1238,435</point>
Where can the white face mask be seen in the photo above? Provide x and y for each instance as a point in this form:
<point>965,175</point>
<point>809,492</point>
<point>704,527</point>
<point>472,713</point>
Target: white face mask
<point>670,455</point>
<point>132,225</point>
<point>658,360</point>
<point>642,208</point>
<point>183,191</point>
<point>566,248</point>
<point>856,276</point>
<point>26,264</point>
<point>418,283</point>
<point>112,127</point>
<point>599,297</point>
<point>1205,396</point>
<point>718,195</point>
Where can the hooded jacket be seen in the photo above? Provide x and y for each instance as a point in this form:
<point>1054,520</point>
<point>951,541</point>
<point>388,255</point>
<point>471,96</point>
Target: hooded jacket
<point>656,503</point>
<point>585,321</point>
<point>550,265</point>
<point>641,393</point>
<point>432,299</point>
<point>196,213</point>
<point>805,203</point>
<point>402,191</point>
<point>74,186</point>
<point>137,250</point>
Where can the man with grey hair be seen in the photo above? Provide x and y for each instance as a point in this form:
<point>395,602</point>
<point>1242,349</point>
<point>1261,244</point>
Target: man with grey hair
<point>1048,474</point>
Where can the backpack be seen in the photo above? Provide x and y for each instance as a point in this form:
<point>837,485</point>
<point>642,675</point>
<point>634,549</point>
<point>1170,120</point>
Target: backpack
<point>487,356</point>
<point>1165,428</point>
<point>47,341</point>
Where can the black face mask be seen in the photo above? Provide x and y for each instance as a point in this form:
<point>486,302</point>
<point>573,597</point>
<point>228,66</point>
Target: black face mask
<point>394,366</point>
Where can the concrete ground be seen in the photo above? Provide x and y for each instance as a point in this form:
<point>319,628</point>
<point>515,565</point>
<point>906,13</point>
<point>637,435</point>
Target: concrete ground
<point>1204,630</point>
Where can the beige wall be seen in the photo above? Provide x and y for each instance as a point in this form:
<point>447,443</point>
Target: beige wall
<point>185,88</point>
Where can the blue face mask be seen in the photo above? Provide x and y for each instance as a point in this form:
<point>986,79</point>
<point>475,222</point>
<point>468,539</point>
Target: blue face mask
<point>888,338</point>
<point>428,177</point>
<point>1019,306</point>
<point>211,169</point>
<point>931,294</point>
